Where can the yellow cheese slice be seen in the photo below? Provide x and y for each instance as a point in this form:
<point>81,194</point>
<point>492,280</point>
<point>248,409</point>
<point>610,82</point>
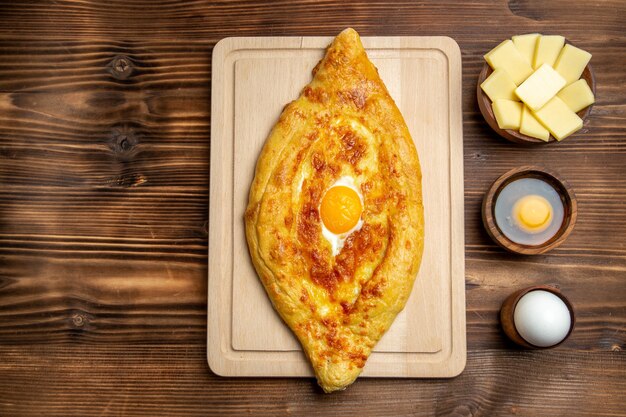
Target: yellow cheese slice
<point>560,120</point>
<point>499,85</point>
<point>548,49</point>
<point>530,126</point>
<point>506,56</point>
<point>526,45</point>
<point>540,87</point>
<point>577,95</point>
<point>571,63</point>
<point>508,113</point>
<point>488,54</point>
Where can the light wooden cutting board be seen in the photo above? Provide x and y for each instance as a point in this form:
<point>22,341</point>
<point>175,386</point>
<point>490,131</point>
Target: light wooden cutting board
<point>253,79</point>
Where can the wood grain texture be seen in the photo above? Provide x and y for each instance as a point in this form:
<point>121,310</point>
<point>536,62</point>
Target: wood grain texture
<point>104,196</point>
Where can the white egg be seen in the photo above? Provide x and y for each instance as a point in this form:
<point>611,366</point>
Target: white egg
<point>337,240</point>
<point>542,318</point>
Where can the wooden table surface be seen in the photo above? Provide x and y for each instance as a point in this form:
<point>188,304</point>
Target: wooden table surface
<point>104,162</point>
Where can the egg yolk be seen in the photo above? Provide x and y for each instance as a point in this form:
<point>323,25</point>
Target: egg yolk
<point>340,209</point>
<point>533,213</point>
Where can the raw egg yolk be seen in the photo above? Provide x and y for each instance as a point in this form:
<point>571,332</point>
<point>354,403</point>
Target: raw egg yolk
<point>340,209</point>
<point>533,213</point>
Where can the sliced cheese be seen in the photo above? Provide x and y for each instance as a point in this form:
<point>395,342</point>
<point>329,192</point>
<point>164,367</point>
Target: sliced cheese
<point>530,126</point>
<point>548,49</point>
<point>571,63</point>
<point>506,56</point>
<point>499,85</point>
<point>577,95</point>
<point>540,87</point>
<point>526,45</point>
<point>508,113</point>
<point>486,56</point>
<point>560,120</point>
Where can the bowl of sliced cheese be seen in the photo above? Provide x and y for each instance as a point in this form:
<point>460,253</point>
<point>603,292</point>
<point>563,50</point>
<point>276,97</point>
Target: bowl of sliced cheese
<point>536,88</point>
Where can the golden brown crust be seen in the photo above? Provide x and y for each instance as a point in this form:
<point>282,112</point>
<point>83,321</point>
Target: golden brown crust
<point>343,124</point>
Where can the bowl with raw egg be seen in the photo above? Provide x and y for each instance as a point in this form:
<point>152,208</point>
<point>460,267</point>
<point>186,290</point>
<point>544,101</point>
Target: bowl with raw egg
<point>529,210</point>
<point>536,88</point>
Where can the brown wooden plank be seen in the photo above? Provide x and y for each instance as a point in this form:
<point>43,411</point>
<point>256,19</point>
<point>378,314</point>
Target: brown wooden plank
<point>103,210</point>
<point>118,291</point>
<point>167,380</point>
<point>143,18</point>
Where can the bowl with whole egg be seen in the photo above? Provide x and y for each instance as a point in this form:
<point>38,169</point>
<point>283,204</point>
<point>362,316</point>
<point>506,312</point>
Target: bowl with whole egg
<point>537,317</point>
<point>536,88</point>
